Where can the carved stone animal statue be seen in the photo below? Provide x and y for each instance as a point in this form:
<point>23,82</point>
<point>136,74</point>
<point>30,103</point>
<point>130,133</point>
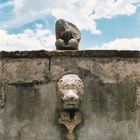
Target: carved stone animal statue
<point>67,35</point>
<point>70,90</point>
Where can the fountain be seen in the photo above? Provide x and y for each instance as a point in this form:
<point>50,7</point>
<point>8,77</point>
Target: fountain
<point>70,90</point>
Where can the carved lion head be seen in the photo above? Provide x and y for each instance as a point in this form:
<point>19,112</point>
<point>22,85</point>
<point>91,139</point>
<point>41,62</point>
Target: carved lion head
<point>70,89</point>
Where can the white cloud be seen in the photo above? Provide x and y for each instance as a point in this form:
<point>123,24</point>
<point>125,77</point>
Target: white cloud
<point>120,44</point>
<point>111,8</point>
<point>41,38</point>
<point>83,13</point>
<point>82,22</point>
<point>4,5</point>
<point>27,40</point>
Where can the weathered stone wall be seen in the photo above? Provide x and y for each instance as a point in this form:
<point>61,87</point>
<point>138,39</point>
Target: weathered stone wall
<point>111,104</point>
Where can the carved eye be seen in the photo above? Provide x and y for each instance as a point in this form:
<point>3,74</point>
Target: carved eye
<point>79,80</point>
<point>60,80</point>
<point>74,87</point>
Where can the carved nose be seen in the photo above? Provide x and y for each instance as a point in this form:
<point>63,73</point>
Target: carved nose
<point>71,95</point>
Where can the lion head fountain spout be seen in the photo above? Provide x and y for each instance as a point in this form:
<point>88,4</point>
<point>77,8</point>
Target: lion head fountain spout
<point>70,91</point>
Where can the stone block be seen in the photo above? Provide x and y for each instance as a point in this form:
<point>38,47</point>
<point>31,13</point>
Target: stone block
<point>61,66</point>
<point>31,112</point>
<point>26,70</point>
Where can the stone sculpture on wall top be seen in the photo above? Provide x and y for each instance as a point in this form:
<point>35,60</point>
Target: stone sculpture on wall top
<point>67,35</point>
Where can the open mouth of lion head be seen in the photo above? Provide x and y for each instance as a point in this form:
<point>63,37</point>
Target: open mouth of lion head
<point>71,104</point>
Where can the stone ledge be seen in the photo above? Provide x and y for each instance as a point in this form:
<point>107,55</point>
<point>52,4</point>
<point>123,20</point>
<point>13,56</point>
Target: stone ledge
<point>81,53</point>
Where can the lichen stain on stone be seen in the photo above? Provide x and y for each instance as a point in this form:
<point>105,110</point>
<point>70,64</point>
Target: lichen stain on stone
<point>82,53</point>
<point>118,98</point>
<point>28,102</point>
<point>138,96</point>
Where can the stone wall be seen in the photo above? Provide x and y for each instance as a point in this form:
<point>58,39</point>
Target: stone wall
<point>111,104</point>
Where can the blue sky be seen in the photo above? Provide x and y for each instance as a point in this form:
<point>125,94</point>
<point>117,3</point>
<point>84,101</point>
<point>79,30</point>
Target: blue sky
<point>104,24</point>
